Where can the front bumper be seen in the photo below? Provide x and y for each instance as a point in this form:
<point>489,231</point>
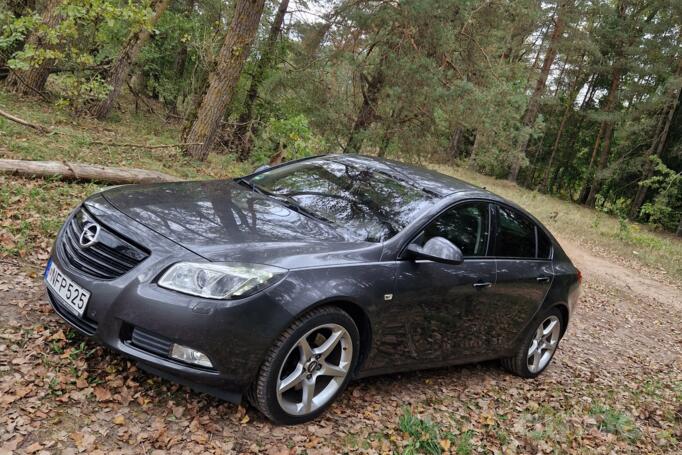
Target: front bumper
<point>235,335</point>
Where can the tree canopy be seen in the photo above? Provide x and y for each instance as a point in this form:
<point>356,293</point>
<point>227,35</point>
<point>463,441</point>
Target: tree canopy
<point>578,98</point>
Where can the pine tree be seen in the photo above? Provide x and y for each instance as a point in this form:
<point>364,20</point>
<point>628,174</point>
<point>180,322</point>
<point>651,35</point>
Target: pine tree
<point>531,113</point>
<point>224,78</point>
<point>121,67</point>
<point>32,81</point>
<point>243,131</point>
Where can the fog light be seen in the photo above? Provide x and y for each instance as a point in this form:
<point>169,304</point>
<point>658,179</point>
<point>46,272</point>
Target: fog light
<point>190,355</point>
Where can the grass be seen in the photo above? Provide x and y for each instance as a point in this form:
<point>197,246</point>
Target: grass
<point>616,422</point>
<point>80,139</point>
<point>424,436</point>
<point>33,210</point>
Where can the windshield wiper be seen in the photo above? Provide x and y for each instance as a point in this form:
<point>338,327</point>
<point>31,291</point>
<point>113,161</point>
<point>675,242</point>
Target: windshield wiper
<point>247,183</point>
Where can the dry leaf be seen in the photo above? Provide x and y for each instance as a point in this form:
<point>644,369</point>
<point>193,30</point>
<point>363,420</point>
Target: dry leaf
<point>119,420</point>
<point>102,394</point>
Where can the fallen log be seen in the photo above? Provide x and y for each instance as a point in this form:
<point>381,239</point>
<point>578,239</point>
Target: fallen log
<point>143,146</point>
<point>83,172</point>
<point>23,122</point>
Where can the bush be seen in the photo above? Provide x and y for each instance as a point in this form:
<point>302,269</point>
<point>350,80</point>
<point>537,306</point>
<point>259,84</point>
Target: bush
<point>292,137</point>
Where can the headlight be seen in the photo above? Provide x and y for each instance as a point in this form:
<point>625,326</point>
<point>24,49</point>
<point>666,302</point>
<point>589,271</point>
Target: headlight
<point>219,280</point>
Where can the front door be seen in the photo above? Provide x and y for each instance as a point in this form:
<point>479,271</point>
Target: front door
<point>447,302</point>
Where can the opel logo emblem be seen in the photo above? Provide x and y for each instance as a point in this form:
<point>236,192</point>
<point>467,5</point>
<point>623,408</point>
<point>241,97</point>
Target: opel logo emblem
<point>89,235</point>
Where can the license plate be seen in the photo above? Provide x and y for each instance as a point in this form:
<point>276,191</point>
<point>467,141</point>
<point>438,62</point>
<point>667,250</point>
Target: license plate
<point>74,297</point>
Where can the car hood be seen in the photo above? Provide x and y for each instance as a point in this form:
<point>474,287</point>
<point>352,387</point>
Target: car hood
<point>221,220</point>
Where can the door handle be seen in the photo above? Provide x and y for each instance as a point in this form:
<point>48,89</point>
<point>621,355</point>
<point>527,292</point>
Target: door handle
<point>486,284</point>
<point>543,279</point>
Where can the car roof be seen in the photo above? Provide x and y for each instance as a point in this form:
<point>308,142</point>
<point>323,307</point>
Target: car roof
<point>431,181</point>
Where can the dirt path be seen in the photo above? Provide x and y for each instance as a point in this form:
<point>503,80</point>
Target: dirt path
<point>615,387</point>
<point>623,277</point>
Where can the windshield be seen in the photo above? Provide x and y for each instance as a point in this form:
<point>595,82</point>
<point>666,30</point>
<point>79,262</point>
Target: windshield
<point>364,202</point>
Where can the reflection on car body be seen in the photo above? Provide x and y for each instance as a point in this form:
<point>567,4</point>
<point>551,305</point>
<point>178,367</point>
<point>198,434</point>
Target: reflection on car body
<point>274,286</point>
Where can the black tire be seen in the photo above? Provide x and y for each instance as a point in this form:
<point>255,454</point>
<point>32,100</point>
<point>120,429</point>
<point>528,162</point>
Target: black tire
<point>518,363</point>
<point>263,393</point>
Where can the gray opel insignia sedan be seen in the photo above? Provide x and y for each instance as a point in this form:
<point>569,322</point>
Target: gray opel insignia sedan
<point>283,285</point>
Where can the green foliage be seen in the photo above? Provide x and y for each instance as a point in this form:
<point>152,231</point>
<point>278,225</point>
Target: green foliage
<point>174,65</point>
<point>667,185</point>
<point>85,35</point>
<point>14,30</point>
<point>441,66</point>
<point>77,91</point>
<point>291,136</point>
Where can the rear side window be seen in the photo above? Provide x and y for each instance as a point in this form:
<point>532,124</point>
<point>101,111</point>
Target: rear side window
<point>515,235</point>
<point>544,244</point>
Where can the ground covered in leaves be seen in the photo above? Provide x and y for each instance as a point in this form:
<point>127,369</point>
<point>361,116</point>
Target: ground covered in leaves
<point>615,387</point>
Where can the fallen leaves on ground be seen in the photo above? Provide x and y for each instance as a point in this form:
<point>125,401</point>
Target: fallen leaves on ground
<point>615,387</point>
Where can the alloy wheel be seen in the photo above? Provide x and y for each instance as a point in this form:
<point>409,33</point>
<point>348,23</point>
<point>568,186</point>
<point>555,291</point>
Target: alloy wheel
<point>543,344</point>
<point>314,369</point>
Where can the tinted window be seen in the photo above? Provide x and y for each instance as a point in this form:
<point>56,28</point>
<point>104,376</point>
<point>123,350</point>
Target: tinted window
<point>515,236</point>
<point>544,245</point>
<point>365,203</point>
<point>464,225</point>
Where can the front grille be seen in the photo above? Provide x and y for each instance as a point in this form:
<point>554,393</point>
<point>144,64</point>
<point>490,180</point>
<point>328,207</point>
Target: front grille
<point>84,324</point>
<point>150,342</point>
<point>108,257</point>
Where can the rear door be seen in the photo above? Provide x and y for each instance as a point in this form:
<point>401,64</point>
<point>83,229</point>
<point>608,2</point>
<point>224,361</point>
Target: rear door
<point>522,254</point>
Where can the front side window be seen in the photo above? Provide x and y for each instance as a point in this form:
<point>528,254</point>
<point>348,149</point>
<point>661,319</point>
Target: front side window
<point>515,234</point>
<point>364,203</point>
<point>465,225</point>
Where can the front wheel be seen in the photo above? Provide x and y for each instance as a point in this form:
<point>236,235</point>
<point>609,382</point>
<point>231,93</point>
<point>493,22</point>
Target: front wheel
<point>309,365</point>
<point>537,351</point>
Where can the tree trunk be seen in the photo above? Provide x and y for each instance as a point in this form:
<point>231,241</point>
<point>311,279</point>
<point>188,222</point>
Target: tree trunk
<point>607,129</point>
<point>568,110</point>
<point>657,146</point>
<point>224,78</point>
<point>531,113</point>
<point>679,228</point>
<point>585,190</point>
<point>183,53</point>
<point>453,147</point>
<point>385,142</point>
<point>545,179</point>
<point>589,93</point>
<point>474,150</point>
<point>32,80</point>
<point>121,67</point>
<point>244,125</point>
<point>367,114</point>
<point>544,34</point>
<point>83,172</point>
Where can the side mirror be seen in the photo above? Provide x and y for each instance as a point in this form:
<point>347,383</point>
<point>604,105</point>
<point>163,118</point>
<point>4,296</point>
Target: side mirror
<point>437,249</point>
<point>261,168</point>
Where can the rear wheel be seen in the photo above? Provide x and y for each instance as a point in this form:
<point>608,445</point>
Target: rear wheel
<point>308,366</point>
<point>538,349</point>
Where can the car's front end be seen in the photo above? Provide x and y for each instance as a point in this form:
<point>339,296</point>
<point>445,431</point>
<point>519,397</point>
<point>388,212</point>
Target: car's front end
<point>195,280</point>
<point>211,343</point>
